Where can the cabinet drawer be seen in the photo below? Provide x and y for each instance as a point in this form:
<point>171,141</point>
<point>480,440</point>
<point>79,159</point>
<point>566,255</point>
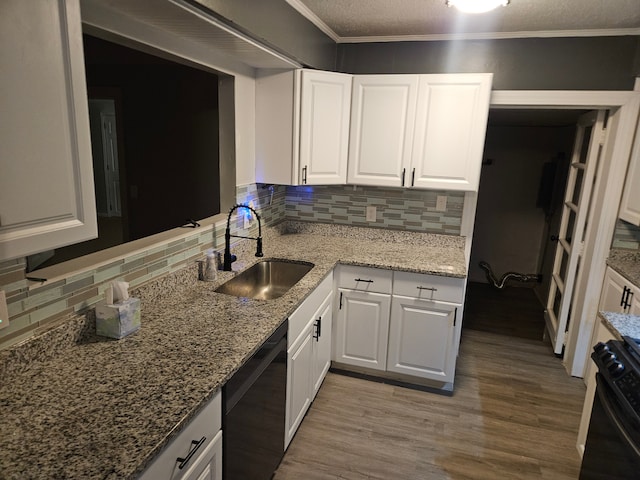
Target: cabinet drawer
<point>365,279</point>
<point>428,287</point>
<point>298,320</point>
<point>205,424</point>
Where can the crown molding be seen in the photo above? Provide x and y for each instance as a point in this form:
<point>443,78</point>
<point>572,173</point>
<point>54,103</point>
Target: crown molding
<point>494,35</point>
<point>313,18</point>
<point>303,10</point>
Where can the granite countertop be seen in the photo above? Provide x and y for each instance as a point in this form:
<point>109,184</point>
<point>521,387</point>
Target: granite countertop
<point>626,263</point>
<point>103,408</point>
<point>621,324</point>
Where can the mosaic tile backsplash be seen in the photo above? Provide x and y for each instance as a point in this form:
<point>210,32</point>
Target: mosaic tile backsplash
<point>37,310</point>
<point>626,236</point>
<point>396,208</point>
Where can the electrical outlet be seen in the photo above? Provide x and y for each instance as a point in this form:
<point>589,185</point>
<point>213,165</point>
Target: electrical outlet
<point>441,203</point>
<point>4,311</point>
<point>371,213</point>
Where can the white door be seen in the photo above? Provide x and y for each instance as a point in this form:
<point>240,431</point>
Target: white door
<point>451,125</point>
<point>324,127</point>
<point>362,329</point>
<point>382,126</point>
<point>421,335</point>
<point>322,343</point>
<point>584,161</point>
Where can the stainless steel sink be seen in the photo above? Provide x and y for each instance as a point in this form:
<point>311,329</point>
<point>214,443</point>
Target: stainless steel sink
<point>266,280</point>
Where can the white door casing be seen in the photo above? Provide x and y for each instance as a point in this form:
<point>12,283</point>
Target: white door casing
<point>623,107</point>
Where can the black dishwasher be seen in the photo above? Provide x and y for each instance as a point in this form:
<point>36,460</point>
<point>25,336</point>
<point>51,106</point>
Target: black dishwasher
<point>254,402</point>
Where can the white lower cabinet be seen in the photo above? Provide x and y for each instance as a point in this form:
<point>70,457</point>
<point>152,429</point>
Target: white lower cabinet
<point>362,329</point>
<point>196,453</point>
<point>421,338</point>
<point>321,344</point>
<point>308,354</point>
<point>398,323</point>
<point>618,294</point>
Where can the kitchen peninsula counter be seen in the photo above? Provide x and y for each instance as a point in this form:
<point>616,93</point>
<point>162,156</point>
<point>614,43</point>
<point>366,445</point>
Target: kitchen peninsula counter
<point>105,408</point>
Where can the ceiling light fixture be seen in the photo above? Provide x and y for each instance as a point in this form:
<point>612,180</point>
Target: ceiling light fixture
<point>476,6</point>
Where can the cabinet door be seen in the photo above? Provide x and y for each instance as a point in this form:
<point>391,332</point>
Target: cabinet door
<point>630,204</point>
<point>322,343</point>
<point>451,124</point>
<point>382,122</point>
<point>612,292</point>
<point>421,336</point>
<point>46,185</point>
<point>634,300</point>
<point>299,364</point>
<point>208,465</point>
<point>362,329</point>
<point>324,127</point>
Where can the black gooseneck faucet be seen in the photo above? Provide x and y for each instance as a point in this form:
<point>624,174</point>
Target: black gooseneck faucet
<point>228,259</point>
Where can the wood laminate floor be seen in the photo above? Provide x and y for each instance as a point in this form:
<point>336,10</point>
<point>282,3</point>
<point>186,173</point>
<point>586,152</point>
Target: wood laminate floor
<point>514,415</point>
<point>513,311</point>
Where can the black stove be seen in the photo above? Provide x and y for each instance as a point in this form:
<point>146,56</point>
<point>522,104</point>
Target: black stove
<point>612,450</point>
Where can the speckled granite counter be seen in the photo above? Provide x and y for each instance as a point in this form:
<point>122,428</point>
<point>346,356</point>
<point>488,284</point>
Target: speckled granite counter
<point>626,263</point>
<point>621,324</point>
<point>101,408</point>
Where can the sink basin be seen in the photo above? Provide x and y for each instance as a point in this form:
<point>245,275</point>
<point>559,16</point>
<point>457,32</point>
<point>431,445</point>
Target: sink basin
<point>266,280</point>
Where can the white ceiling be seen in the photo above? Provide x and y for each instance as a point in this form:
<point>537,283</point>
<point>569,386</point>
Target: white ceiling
<point>398,20</point>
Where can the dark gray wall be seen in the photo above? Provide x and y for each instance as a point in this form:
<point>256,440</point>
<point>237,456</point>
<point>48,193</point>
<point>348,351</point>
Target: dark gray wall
<point>276,23</point>
<point>595,63</point>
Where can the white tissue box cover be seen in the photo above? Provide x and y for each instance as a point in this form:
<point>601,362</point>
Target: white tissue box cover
<point>119,319</point>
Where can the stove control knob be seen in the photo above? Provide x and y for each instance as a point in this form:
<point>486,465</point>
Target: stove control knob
<point>601,347</point>
<point>608,357</point>
<point>615,368</point>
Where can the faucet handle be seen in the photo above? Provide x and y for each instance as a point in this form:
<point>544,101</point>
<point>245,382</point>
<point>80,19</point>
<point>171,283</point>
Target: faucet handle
<point>259,247</point>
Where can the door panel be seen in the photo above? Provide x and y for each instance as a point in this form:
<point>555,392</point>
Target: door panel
<point>363,328</point>
<point>382,124</point>
<point>575,211</point>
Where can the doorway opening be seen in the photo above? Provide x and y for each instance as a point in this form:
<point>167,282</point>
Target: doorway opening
<point>518,214</point>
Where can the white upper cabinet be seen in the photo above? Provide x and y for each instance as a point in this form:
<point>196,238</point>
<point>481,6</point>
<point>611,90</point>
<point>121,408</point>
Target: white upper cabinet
<point>421,131</point>
<point>630,205</point>
<point>450,128</point>
<point>382,122</point>
<point>302,127</point>
<point>46,185</point>
<point>324,127</point>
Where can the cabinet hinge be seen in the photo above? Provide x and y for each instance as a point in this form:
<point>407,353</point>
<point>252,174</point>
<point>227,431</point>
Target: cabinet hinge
<point>565,339</point>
